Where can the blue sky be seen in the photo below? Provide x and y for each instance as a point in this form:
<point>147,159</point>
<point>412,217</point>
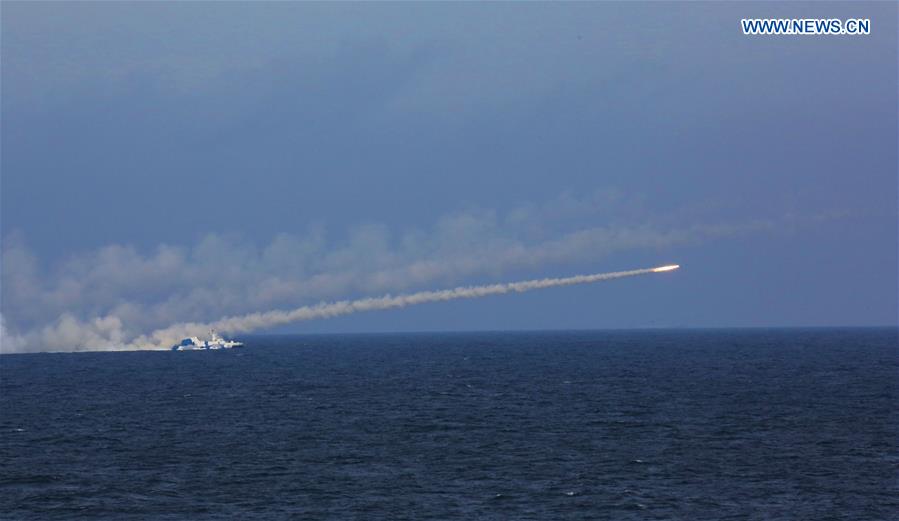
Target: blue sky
<point>184,161</point>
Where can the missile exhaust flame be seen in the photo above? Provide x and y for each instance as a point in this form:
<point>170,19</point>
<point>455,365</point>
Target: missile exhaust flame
<point>162,338</point>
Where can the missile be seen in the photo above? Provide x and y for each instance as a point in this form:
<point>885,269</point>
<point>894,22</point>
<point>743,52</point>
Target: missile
<point>666,268</point>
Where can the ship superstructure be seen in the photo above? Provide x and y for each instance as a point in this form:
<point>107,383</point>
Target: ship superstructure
<point>215,342</point>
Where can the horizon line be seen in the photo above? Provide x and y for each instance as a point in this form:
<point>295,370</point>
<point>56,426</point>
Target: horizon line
<point>482,331</point>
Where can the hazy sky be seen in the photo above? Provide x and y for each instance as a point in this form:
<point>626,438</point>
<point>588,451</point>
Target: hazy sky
<point>183,161</point>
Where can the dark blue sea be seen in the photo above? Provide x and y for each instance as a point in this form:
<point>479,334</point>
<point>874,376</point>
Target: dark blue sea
<point>681,424</point>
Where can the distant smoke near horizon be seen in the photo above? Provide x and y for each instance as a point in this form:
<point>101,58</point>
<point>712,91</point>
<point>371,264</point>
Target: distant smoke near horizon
<point>109,333</point>
<point>112,295</point>
<point>165,338</point>
<point>121,295</point>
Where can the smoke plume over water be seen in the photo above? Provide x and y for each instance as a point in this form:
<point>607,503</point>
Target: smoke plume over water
<point>163,338</point>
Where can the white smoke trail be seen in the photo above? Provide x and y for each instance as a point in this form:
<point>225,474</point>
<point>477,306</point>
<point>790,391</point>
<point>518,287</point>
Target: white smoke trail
<point>166,337</point>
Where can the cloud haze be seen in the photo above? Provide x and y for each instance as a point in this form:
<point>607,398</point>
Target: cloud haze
<point>108,297</point>
<point>168,163</point>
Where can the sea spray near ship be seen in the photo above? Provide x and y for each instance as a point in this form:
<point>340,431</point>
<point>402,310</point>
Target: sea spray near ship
<point>254,321</point>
